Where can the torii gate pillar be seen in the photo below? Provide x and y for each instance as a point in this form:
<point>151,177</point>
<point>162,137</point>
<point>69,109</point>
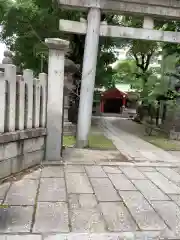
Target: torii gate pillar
<point>88,76</point>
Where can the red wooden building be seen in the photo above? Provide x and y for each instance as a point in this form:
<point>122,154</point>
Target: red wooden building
<point>113,101</point>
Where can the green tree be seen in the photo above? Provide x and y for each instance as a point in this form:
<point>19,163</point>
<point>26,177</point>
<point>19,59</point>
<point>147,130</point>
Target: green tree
<point>127,72</point>
<point>26,23</point>
<point>25,26</point>
<point>104,72</point>
<point>142,52</point>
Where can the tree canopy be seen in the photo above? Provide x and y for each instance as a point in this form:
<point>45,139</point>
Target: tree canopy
<point>26,24</point>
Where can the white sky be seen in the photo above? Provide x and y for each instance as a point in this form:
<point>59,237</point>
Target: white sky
<point>2,48</point>
<point>121,52</point>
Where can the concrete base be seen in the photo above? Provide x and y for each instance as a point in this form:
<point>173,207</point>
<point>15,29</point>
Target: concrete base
<point>82,144</point>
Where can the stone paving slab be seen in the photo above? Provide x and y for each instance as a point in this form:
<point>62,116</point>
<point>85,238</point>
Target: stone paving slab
<point>163,183</point>
<point>16,219</point>
<point>89,236</point>
<point>84,214</point>
<point>88,156</point>
<point>86,220</point>
<point>129,164</point>
<point>117,217</point>
<point>166,156</point>
<point>51,217</point>
<point>3,189</point>
<point>132,173</point>
<point>52,190</point>
<point>149,190</point>
<point>55,237</point>
<point>150,155</point>
<point>106,236</point>
<point>170,174</point>
<point>176,169</point>
<point>95,172</point>
<point>176,199</point>
<point>78,183</point>
<point>155,164</point>
<point>104,190</point>
<point>82,201</point>
<point>146,169</point>
<point>115,203</point>
<point>121,182</point>
<point>74,169</point>
<point>55,171</point>
<point>33,175</point>
<point>112,170</point>
<point>143,213</point>
<point>22,192</point>
<point>22,237</point>
<point>170,212</point>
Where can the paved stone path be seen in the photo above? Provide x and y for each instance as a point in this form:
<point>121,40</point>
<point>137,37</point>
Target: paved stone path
<point>134,148</point>
<point>97,195</point>
<point>62,202</point>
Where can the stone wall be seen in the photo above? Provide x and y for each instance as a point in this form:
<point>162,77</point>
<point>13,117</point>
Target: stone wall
<point>22,119</point>
<point>21,150</point>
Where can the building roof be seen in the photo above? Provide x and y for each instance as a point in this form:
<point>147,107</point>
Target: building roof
<point>113,93</point>
<point>121,87</point>
<point>124,87</point>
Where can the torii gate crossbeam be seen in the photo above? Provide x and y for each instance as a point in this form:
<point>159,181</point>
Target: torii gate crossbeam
<point>121,32</point>
<point>166,9</point>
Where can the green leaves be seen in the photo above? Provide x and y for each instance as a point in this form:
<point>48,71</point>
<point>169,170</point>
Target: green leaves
<point>126,72</point>
<point>26,24</point>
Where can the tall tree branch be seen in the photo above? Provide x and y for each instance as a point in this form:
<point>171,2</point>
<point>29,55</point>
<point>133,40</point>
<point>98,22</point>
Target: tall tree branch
<point>148,61</point>
<point>143,61</point>
<point>137,61</point>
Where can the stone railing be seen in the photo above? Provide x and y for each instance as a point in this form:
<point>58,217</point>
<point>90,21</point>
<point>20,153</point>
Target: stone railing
<point>22,119</point>
<point>31,111</point>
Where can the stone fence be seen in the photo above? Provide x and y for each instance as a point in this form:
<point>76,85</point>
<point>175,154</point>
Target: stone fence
<point>22,119</point>
<point>34,111</point>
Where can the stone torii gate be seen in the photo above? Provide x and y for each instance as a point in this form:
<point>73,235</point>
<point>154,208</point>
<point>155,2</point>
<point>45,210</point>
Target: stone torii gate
<point>93,28</point>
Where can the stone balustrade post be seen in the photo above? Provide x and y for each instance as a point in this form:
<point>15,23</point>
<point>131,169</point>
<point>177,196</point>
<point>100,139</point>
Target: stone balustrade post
<point>57,49</point>
<point>66,106</point>
<point>70,69</point>
<point>69,129</point>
